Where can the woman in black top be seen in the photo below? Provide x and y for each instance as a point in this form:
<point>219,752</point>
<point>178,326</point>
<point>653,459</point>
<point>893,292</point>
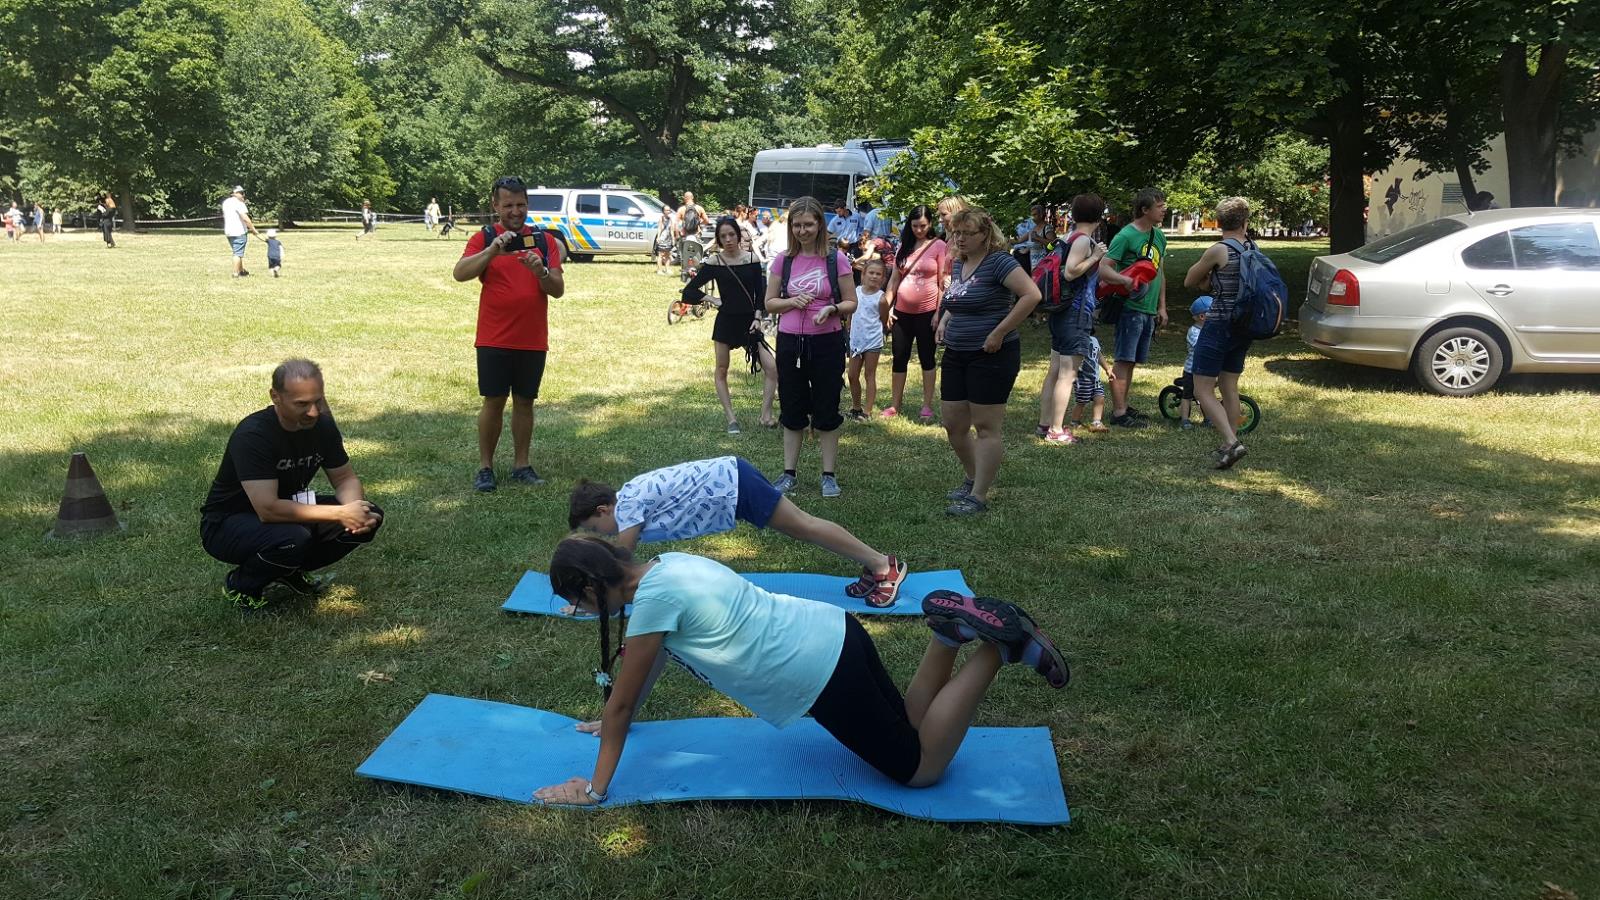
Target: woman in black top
<point>740,285</point>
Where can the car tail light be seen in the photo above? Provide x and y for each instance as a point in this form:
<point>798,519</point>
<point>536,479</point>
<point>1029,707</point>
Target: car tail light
<point>1345,289</point>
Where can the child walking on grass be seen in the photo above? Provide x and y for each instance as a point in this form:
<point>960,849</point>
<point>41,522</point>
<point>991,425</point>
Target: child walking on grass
<point>1088,388</point>
<point>866,337</point>
<point>710,496</point>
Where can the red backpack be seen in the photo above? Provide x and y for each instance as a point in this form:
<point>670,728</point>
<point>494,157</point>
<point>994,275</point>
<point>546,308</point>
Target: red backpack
<point>1047,275</point>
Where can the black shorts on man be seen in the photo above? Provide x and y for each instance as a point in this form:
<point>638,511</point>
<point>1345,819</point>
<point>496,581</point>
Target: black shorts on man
<point>502,372</point>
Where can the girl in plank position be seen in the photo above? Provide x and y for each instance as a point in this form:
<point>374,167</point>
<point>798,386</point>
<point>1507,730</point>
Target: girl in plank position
<point>785,657</point>
<point>709,496</point>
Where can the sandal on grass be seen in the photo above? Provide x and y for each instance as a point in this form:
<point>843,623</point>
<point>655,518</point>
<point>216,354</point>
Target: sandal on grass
<point>879,591</point>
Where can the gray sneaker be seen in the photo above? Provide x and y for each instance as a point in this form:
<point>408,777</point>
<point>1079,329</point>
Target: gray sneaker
<point>830,486</point>
<point>484,480</point>
<point>526,475</point>
<point>961,492</point>
<point>785,483</point>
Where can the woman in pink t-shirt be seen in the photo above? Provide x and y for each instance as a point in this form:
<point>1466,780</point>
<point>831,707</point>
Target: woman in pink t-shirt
<point>810,352</point>
<point>922,269</point>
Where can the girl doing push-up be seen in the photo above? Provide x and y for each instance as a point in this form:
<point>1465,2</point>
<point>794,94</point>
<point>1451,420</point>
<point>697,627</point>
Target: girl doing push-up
<point>785,657</point>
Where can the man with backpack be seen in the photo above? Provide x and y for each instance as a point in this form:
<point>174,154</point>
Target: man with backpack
<point>1248,303</point>
<point>1143,312</point>
<point>519,269</point>
<point>691,216</point>
<point>1067,277</point>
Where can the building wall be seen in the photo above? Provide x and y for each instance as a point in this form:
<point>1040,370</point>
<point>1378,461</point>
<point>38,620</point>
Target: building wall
<point>1439,194</point>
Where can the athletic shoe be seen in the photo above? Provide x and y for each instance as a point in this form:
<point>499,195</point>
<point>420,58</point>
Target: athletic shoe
<point>1186,425</point>
<point>959,618</point>
<point>830,486</point>
<point>484,480</point>
<point>304,584</point>
<point>526,475</point>
<point>1129,420</point>
<point>1040,431</point>
<point>733,427</point>
<point>856,415</point>
<point>1036,649</point>
<point>240,599</point>
<point>1136,413</point>
<point>889,413</point>
<point>961,492</point>
<point>926,415</point>
<point>785,483</point>
<point>879,591</point>
<point>1062,436</point>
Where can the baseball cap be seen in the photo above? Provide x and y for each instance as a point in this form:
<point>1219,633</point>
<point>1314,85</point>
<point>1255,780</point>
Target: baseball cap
<point>1201,305</point>
<point>238,189</point>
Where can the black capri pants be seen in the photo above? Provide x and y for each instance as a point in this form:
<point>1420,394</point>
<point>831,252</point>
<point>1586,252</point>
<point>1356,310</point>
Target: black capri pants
<point>910,327</point>
<point>864,711</point>
<point>810,379</point>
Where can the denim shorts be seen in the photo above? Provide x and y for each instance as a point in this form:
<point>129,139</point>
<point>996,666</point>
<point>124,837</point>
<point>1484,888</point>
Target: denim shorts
<point>1069,333</point>
<point>1134,331</point>
<point>758,499</point>
<point>1219,349</point>
<point>238,242</point>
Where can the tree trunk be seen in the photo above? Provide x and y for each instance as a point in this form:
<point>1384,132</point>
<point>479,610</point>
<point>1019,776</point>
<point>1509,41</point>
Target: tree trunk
<point>1347,151</point>
<point>1529,107</point>
<point>125,210</point>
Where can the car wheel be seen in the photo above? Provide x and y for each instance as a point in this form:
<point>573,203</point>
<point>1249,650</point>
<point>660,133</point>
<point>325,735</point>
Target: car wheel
<point>1459,362</point>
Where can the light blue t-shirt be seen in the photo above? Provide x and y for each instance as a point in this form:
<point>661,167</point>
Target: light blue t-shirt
<point>876,224</point>
<point>682,501</point>
<point>771,652</point>
<point>847,227</point>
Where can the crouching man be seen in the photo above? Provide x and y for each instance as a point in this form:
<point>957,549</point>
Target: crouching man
<point>262,515</point>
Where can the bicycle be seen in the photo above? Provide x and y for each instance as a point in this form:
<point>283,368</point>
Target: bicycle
<point>678,308</point>
<point>1170,400</point>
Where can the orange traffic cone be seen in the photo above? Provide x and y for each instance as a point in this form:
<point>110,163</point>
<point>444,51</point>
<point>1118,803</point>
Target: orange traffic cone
<point>85,511</point>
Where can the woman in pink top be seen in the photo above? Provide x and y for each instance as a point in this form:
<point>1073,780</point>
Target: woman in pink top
<point>922,269</point>
<point>810,306</point>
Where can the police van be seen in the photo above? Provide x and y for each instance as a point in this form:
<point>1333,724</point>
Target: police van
<point>608,220</point>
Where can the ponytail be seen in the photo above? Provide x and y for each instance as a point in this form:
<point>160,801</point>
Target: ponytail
<point>589,561</point>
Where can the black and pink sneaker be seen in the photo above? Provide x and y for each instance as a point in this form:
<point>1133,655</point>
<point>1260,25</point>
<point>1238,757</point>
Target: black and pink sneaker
<point>1036,649</point>
<point>960,618</point>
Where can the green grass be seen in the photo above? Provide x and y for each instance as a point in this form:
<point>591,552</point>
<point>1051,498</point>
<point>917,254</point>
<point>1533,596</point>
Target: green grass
<point>1362,665</point>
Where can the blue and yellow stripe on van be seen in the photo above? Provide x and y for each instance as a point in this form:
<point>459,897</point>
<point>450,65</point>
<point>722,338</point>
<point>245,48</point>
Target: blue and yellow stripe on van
<point>571,227</point>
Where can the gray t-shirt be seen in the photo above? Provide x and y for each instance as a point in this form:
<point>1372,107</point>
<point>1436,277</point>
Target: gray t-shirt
<point>977,304</point>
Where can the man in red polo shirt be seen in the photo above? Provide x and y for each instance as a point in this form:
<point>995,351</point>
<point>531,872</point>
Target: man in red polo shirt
<point>519,271</point>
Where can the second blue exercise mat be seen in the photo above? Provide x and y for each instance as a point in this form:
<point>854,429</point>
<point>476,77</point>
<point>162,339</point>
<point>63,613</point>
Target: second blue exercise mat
<point>505,751</point>
<point>534,596</point>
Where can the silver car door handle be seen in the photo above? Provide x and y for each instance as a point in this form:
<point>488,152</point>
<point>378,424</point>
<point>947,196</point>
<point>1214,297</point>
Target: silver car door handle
<point>1500,290</point>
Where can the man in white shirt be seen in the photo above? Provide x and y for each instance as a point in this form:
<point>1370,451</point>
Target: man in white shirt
<point>237,226</point>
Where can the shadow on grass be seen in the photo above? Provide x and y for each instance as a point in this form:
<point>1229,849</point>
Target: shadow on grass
<point>1321,372</point>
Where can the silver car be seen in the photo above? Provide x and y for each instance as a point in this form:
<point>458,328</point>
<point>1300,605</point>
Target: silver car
<point>1464,299</point>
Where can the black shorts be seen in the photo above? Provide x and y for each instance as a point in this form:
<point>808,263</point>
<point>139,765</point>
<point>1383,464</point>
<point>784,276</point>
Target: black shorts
<point>863,710</point>
<point>502,372</point>
<point>810,380</point>
<point>973,376</point>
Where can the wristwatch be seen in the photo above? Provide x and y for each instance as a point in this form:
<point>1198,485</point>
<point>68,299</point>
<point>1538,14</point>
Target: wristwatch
<point>588,788</point>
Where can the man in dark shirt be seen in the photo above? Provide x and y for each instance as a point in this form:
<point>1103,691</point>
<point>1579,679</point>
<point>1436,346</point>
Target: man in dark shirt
<point>262,515</point>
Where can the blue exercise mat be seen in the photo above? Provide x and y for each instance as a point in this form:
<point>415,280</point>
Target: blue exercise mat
<point>533,595</point>
<point>507,752</point>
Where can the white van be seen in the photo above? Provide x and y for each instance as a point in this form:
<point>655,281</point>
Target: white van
<point>608,220</point>
<point>826,171</point>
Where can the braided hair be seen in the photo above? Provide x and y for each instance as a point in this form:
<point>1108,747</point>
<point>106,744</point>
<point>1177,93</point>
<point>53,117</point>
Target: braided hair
<point>590,561</point>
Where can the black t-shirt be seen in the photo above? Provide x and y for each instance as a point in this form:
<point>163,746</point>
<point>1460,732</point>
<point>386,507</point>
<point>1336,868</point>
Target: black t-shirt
<point>261,449</point>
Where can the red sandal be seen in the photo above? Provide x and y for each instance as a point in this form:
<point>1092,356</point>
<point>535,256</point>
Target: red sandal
<point>879,591</point>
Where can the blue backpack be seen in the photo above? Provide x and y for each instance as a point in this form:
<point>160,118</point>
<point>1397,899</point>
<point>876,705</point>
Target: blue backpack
<point>1263,301</point>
